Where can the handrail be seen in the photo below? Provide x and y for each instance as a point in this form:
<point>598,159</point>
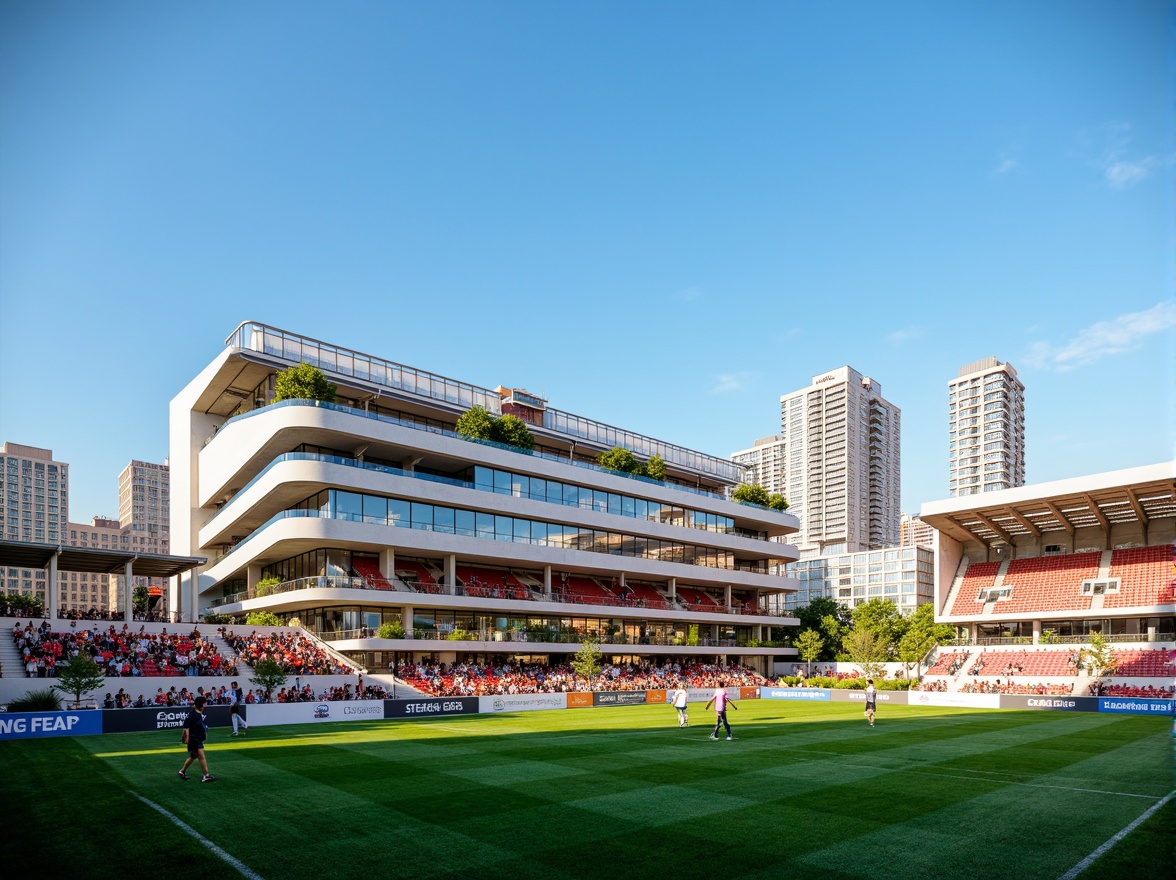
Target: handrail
<point>521,637</point>
<point>445,432</point>
<point>355,583</point>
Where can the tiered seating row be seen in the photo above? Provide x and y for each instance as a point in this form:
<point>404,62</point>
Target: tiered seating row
<point>1143,663</point>
<point>945,662</point>
<point>1028,663</point>
<point>1049,583</point>
<point>369,570</point>
<point>978,576</point>
<point>1146,574</point>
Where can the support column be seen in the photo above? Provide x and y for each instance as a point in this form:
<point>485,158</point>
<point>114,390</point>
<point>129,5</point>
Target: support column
<point>727,595</point>
<point>622,581</point>
<point>451,573</point>
<point>128,592</point>
<point>547,582</point>
<point>173,597</point>
<point>1037,632</point>
<point>194,592</point>
<point>673,590</point>
<point>52,590</point>
<point>388,563</point>
<point>406,620</point>
<point>252,576</point>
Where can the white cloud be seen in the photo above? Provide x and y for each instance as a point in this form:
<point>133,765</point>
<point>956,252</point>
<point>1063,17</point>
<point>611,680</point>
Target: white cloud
<point>905,335</point>
<point>1120,334</point>
<point>725,383</point>
<point>1005,166</point>
<point>689,294</point>
<point>1122,173</point>
<point>1119,168</point>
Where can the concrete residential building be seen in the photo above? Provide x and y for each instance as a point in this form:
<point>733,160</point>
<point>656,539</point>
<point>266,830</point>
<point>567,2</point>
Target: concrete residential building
<point>843,471</point>
<point>372,509</point>
<point>765,463</point>
<point>34,489</point>
<point>83,591</point>
<point>904,575</point>
<point>912,531</point>
<point>144,502</point>
<point>986,429</point>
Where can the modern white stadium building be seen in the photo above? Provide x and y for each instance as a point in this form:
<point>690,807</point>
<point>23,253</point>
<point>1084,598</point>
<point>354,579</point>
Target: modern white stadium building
<point>373,509</point>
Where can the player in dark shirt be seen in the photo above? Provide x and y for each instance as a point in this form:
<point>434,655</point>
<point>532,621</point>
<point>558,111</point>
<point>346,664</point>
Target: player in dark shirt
<point>195,733</point>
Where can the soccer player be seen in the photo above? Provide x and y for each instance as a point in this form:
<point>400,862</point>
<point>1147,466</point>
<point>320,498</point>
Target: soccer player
<point>235,711</point>
<point>721,701</point>
<point>680,700</point>
<point>195,733</point>
<point>871,700</point>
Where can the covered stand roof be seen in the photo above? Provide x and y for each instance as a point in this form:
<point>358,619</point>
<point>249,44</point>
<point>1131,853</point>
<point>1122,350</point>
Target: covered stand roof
<point>19,554</point>
<point>1136,495</point>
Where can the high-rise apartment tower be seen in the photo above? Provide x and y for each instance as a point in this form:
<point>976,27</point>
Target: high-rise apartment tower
<point>986,429</point>
<point>842,473</point>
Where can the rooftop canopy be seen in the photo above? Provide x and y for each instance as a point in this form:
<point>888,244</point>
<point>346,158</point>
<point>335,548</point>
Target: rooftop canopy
<point>1134,495</point>
<point>18,554</point>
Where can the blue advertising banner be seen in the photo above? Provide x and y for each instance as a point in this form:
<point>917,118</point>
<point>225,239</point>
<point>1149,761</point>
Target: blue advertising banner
<point>771,693</point>
<point>1135,705</point>
<point>1052,703</point>
<point>26,725</point>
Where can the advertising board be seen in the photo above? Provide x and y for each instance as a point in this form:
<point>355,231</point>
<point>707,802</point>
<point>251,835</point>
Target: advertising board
<point>162,718</point>
<point>786,693</point>
<point>521,702</point>
<point>1046,702</point>
<point>30,725</point>
<point>847,695</point>
<point>580,700</point>
<point>1135,705</point>
<point>656,696</point>
<point>315,712</point>
<point>431,707</point>
<point>748,693</point>
<point>618,698</point>
<point>957,700</point>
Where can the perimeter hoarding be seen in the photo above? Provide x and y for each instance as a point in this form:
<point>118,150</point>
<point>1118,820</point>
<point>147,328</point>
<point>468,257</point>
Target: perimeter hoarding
<point>1136,705</point>
<point>807,694</point>
<point>956,700</point>
<point>892,698</point>
<point>30,725</point>
<point>163,718</point>
<point>1049,703</point>
<point>431,707</point>
<point>521,702</point>
<point>315,712</point>
<point>618,698</point>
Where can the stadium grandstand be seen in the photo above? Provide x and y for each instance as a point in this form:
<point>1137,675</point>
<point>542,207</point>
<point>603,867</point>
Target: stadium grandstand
<point>372,513</point>
<point>1027,576</point>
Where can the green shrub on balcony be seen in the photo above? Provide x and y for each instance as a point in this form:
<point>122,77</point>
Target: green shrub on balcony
<point>304,382</point>
<point>477,424</point>
<point>751,493</point>
<point>267,586</point>
<point>393,629</point>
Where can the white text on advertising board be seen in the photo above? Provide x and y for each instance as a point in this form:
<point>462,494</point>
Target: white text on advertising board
<point>43,724</point>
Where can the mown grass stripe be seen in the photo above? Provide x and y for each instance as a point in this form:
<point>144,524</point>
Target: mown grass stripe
<point>1102,850</point>
<point>225,857</point>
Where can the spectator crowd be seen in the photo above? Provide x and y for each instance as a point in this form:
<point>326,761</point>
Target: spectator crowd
<point>511,677</point>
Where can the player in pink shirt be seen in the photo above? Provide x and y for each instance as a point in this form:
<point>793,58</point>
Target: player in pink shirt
<point>721,701</point>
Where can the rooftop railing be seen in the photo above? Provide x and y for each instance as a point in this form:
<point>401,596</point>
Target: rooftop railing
<point>381,373</point>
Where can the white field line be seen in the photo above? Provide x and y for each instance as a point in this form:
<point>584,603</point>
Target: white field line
<point>216,850</point>
<point>1102,850</point>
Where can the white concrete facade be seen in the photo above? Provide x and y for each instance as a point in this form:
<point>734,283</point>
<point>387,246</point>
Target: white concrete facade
<point>986,429</point>
<point>291,489</point>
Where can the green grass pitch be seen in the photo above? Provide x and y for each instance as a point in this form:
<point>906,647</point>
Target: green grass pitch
<point>805,791</point>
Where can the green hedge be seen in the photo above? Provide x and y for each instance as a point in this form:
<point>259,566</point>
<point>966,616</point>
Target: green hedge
<point>851,684</point>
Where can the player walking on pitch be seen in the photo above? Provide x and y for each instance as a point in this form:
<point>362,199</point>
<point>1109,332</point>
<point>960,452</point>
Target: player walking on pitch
<point>680,700</point>
<point>871,701</point>
<point>721,701</point>
<point>237,708</point>
<point>195,733</point>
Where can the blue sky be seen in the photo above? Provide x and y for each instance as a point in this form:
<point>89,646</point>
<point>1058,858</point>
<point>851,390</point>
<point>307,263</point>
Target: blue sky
<point>659,215</point>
